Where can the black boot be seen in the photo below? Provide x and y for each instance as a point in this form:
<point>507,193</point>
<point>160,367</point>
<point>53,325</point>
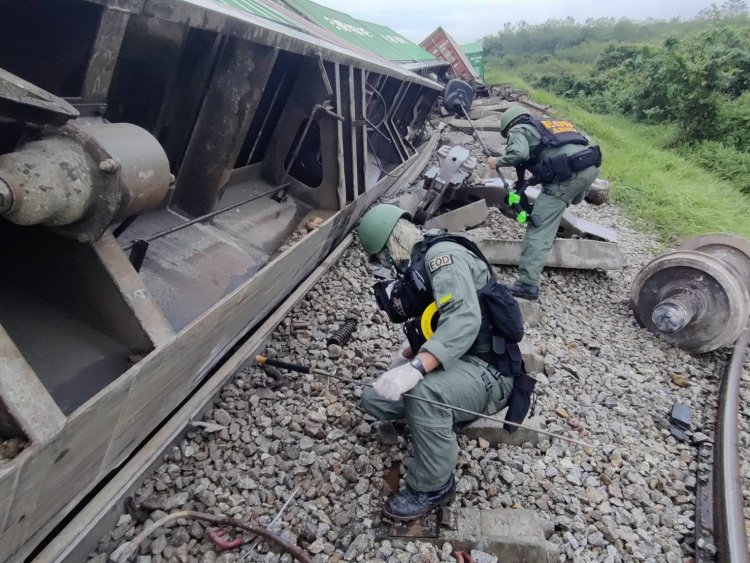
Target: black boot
<point>410,504</point>
<point>524,291</point>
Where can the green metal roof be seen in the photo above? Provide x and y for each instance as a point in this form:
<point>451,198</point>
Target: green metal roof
<point>259,8</point>
<point>378,39</point>
<point>471,48</point>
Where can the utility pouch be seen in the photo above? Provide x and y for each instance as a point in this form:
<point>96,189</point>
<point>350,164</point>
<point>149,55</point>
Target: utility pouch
<point>515,359</point>
<point>505,357</point>
<point>542,173</point>
<point>584,159</point>
<point>502,312</point>
<point>498,344</point>
<point>383,291</point>
<point>519,401</point>
<point>561,169</point>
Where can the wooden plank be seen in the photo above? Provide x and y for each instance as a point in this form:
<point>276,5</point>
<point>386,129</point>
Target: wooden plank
<point>80,536</point>
<point>106,429</point>
<point>55,477</point>
<point>19,509</point>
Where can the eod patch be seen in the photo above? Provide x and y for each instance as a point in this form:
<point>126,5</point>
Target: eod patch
<point>439,262</point>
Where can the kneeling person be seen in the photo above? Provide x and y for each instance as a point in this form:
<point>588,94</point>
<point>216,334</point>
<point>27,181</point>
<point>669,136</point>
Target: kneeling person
<point>457,366</point>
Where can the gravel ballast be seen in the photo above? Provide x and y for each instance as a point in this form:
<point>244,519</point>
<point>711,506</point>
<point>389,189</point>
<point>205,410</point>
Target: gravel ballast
<point>606,380</point>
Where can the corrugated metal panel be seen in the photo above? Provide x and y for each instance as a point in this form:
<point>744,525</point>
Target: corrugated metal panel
<point>476,56</point>
<point>375,38</point>
<point>471,48</point>
<point>408,51</point>
<point>258,8</point>
<point>288,30</point>
<point>442,45</point>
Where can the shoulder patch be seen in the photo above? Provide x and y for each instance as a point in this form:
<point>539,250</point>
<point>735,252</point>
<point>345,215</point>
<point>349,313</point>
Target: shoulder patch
<point>439,262</point>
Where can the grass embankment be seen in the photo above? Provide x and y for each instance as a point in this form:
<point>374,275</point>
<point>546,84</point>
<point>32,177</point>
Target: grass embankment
<point>661,190</point>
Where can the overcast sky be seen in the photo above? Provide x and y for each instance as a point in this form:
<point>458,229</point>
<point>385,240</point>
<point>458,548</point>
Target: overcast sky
<point>469,20</point>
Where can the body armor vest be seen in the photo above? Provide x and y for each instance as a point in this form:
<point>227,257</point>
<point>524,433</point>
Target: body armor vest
<point>501,315</point>
<point>408,296</point>
<point>561,167</point>
<point>555,133</point>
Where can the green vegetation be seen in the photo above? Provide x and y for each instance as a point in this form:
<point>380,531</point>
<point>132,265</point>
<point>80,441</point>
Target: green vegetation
<point>676,96</point>
<point>661,189</point>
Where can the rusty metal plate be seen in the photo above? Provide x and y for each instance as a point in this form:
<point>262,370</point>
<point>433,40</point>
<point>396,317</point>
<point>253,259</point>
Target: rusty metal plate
<point>22,101</point>
<point>428,526</point>
<point>425,527</point>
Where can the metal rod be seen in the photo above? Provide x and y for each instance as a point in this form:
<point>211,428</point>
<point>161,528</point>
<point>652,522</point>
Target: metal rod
<point>324,75</point>
<point>295,153</point>
<point>186,224</point>
<point>126,550</point>
<point>262,360</point>
<point>475,132</point>
<point>124,225</point>
<point>276,518</point>
<point>728,514</point>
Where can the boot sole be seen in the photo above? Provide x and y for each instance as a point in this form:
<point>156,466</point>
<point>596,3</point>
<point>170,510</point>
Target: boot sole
<point>444,502</point>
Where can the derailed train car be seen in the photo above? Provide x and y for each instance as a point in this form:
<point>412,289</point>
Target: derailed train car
<point>154,157</point>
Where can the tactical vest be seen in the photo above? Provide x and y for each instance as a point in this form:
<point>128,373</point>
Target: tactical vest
<point>555,133</point>
<point>559,168</point>
<point>501,315</point>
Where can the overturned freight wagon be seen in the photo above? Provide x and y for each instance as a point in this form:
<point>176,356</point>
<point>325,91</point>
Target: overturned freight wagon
<point>155,157</point>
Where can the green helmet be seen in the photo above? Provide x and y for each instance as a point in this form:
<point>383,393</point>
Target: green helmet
<point>509,116</point>
<point>377,225</point>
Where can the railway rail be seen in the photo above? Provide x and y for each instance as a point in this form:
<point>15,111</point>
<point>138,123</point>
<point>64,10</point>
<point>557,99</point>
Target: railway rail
<point>731,531</point>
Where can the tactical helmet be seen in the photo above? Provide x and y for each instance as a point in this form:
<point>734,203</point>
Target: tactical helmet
<point>509,116</point>
<point>377,225</point>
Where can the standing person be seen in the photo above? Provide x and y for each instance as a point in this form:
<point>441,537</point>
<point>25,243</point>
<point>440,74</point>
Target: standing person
<point>466,362</point>
<point>559,158</point>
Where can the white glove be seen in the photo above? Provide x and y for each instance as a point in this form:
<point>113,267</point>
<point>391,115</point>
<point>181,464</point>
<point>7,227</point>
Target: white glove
<point>397,381</point>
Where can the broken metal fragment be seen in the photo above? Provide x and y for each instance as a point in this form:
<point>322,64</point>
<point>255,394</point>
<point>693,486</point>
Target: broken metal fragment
<point>679,420</point>
<point>441,182</point>
<point>342,335</point>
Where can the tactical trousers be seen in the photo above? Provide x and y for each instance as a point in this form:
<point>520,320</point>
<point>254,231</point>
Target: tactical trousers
<point>548,211</point>
<point>432,427</point>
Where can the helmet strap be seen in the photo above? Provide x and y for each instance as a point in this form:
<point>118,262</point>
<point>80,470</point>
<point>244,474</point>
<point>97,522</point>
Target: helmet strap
<point>518,120</point>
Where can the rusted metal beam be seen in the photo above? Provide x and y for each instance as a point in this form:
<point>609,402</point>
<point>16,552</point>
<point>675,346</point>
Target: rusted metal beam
<point>228,109</point>
<point>105,51</point>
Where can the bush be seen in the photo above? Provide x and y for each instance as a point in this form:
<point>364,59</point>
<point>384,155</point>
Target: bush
<point>728,163</point>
